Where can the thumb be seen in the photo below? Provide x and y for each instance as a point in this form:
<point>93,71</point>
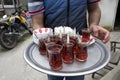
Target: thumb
<point>95,33</point>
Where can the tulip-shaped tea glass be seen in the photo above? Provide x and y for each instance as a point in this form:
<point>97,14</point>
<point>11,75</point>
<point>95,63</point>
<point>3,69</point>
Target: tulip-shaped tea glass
<point>55,59</point>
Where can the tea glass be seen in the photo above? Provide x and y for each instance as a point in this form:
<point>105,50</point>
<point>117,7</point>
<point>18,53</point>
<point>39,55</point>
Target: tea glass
<point>81,54</point>
<point>55,59</point>
<point>67,53</point>
<point>42,47</point>
<point>85,35</point>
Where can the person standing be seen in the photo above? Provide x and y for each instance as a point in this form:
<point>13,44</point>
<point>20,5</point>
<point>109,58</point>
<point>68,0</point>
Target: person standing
<point>72,13</point>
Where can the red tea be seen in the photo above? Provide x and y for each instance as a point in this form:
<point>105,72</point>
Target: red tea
<point>48,43</point>
<point>67,53</point>
<point>74,41</point>
<point>81,55</point>
<point>42,47</point>
<point>85,35</point>
<point>76,49</point>
<point>56,39</point>
<point>53,38</point>
<point>55,59</point>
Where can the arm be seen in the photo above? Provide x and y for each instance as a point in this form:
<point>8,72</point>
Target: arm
<point>36,10</point>
<point>94,14</point>
<point>37,21</point>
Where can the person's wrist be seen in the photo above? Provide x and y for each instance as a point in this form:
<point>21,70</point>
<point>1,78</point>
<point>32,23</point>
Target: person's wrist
<point>93,25</point>
<point>37,27</point>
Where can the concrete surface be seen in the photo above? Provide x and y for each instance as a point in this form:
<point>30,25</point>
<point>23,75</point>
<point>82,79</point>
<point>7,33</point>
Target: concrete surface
<point>113,74</point>
<point>14,67</point>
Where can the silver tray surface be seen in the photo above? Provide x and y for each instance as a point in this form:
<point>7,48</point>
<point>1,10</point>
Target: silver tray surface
<point>98,57</point>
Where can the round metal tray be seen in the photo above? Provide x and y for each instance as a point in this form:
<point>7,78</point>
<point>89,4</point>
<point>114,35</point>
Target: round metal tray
<point>98,57</point>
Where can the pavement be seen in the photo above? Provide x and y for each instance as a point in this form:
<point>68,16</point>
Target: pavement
<point>14,67</point>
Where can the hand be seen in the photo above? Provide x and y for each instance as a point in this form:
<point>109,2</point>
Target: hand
<point>41,33</point>
<point>100,33</point>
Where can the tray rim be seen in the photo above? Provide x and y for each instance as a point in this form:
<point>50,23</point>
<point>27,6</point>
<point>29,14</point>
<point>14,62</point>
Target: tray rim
<point>35,66</point>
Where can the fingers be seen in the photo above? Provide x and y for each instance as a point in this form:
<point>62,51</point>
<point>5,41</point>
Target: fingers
<point>94,31</point>
<point>100,33</point>
<point>106,37</point>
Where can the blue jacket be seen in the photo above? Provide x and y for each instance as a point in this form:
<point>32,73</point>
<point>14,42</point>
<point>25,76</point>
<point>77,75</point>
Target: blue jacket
<point>62,12</point>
